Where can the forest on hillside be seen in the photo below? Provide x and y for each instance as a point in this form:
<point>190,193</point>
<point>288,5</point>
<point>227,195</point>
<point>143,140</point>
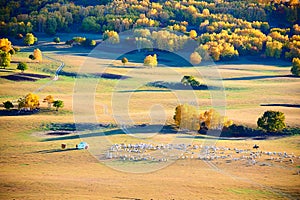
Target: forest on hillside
<point>226,29</point>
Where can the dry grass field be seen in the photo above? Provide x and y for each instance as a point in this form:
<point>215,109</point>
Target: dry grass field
<point>32,167</point>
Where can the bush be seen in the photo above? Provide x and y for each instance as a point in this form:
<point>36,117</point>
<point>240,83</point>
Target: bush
<point>296,67</point>
<point>8,105</point>
<point>31,57</point>
<point>22,66</point>
<point>56,40</point>
<point>190,80</point>
<point>272,121</point>
<point>124,61</point>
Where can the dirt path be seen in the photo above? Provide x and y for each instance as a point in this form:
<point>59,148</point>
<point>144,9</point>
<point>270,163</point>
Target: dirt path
<point>58,70</point>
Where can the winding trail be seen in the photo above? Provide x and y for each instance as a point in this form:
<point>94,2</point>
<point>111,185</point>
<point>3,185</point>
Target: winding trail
<point>58,70</point>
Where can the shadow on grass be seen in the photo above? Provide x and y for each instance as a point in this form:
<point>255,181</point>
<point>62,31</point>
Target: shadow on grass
<point>282,105</point>
<point>138,129</point>
<point>178,86</point>
<point>94,75</point>
<point>55,150</point>
<point>130,91</point>
<point>24,77</point>
<point>15,112</point>
<point>249,78</point>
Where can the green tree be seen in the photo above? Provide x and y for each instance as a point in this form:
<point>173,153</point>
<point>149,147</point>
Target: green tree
<point>8,105</point>
<point>29,39</point>
<point>272,121</point>
<point>56,40</point>
<point>58,104</point>
<point>296,67</point>
<point>51,26</point>
<point>22,66</point>
<point>89,24</point>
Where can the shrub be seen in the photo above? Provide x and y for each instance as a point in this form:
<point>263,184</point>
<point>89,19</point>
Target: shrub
<point>190,80</point>
<point>296,67</point>
<point>8,105</point>
<point>124,61</point>
<point>56,40</point>
<point>22,66</point>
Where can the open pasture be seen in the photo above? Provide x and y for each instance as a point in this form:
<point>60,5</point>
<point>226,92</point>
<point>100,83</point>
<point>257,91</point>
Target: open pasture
<point>33,166</point>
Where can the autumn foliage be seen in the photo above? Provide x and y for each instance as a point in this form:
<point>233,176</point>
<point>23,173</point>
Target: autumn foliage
<point>150,60</point>
<point>189,117</point>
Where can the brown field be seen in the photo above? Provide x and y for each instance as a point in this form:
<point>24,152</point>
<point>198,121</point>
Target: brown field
<point>32,168</point>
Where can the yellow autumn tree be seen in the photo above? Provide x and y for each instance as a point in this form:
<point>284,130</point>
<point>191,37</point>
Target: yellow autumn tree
<point>187,117</point>
<point>205,12</point>
<point>6,50</point>
<point>49,99</point>
<point>150,61</point>
<point>212,119</point>
<point>193,34</point>
<point>37,54</point>
<point>195,58</point>
<point>5,45</point>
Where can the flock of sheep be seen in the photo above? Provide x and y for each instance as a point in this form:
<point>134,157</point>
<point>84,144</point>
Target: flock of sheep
<point>168,152</point>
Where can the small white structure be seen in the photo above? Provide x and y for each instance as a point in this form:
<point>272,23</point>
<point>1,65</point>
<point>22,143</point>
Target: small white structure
<point>82,145</point>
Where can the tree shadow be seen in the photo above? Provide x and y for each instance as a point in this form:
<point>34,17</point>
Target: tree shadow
<point>15,112</point>
<point>130,91</point>
<point>137,129</point>
<point>249,78</point>
<point>25,77</point>
<point>178,86</point>
<point>282,105</point>
<point>55,150</point>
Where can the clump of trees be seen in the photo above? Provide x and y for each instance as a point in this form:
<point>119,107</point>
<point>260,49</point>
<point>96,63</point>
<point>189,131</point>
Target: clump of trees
<point>37,55</point>
<point>150,61</point>
<point>211,119</point>
<point>190,80</point>
<point>189,117</point>
<point>86,42</point>
<point>272,121</point>
<point>30,101</point>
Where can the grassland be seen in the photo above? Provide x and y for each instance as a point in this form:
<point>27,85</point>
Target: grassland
<point>34,168</point>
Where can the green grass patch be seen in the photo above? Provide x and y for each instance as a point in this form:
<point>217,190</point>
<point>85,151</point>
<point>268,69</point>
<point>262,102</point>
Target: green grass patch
<point>246,191</point>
